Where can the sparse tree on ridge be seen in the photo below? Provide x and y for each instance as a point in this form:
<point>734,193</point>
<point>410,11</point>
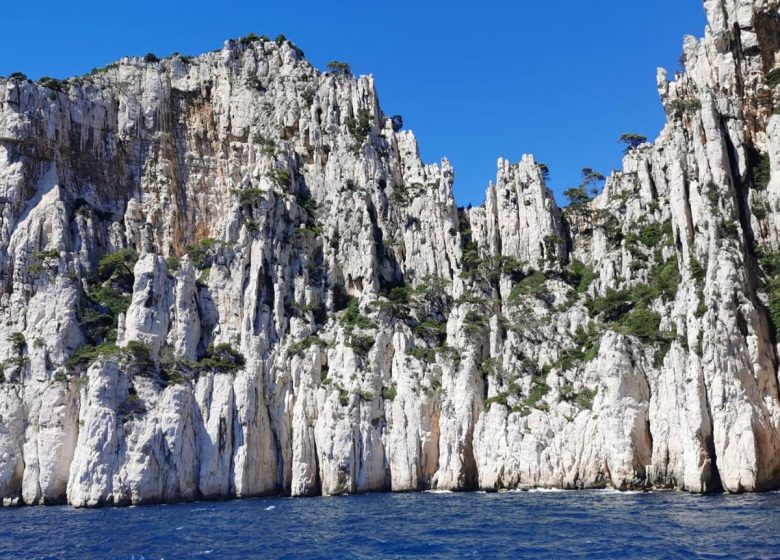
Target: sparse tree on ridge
<point>632,140</point>
<point>338,68</point>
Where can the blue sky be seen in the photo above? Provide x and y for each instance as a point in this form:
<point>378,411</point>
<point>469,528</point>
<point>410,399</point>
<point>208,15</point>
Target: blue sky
<point>561,79</point>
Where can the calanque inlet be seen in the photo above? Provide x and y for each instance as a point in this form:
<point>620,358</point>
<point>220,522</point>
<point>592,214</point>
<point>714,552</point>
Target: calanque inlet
<point>232,275</point>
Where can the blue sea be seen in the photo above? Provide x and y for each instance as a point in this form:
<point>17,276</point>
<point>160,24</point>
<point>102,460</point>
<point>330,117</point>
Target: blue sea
<point>595,524</point>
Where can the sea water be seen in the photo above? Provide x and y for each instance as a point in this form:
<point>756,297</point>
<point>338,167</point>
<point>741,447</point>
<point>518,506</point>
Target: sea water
<point>601,524</point>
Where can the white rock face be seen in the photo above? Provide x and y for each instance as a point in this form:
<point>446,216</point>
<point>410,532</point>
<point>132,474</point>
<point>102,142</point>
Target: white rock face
<point>232,276</point>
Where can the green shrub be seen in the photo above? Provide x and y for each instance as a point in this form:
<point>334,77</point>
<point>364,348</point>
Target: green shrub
<point>360,126</point>
<point>632,141</point>
<point>641,323</point>
<point>173,377</point>
<point>250,38</point>
<point>88,353</point>
<point>474,322</point>
<point>139,353</point>
<point>136,352</point>
<point>500,398</point>
<point>578,197</point>
<point>760,170</point>
<point>250,197</point>
<point>311,340</point>
<point>697,270</point>
<point>173,262</point>
<point>200,253</point>
<point>280,177</point>
<point>307,203</point>
<point>53,83</point>
<point>773,78</point>
<point>353,318</point>
<point>665,279</point>
<point>432,331</point>
<point>471,257</point>
<point>679,107</point>
<point>104,69</point>
<point>338,68</point>
<point>221,358</point>
<point>730,230</point>
<point>770,263</point>
<point>701,309</point>
<point>46,255</point>
<point>96,324</point>
<point>308,94</point>
<point>399,295</point>
<point>203,280</point>
<point>551,244</point>
<point>580,276</point>
<point>536,393</point>
<point>774,311</point>
<point>586,349</point>
<point>613,305</point>
<point>151,57</point>
<point>389,393</point>
<point>361,345</point>
<point>43,261</point>
<point>423,354</point>
<point>398,302</point>
<point>116,302</point>
<point>761,210</point>
<point>343,397</point>
<point>18,343</point>
<point>305,231</point>
<point>712,193</point>
<point>534,284</point>
<point>584,399</point>
<point>652,234</point>
<point>118,265</point>
<point>663,282</point>
<point>664,340</point>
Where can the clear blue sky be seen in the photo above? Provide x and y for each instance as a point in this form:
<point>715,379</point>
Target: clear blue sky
<point>561,79</point>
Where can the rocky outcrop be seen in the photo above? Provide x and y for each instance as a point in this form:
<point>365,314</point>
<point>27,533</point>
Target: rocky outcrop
<point>232,275</point>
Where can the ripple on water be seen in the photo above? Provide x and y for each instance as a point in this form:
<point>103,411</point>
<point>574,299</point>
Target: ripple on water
<point>528,524</point>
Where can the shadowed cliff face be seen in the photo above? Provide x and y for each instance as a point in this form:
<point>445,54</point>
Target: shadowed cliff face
<point>231,275</point>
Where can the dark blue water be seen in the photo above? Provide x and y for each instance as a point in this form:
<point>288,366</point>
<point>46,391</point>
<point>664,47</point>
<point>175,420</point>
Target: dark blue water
<point>509,525</point>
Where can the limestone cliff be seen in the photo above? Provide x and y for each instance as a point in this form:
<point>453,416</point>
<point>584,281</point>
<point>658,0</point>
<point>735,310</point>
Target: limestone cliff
<point>232,275</point>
